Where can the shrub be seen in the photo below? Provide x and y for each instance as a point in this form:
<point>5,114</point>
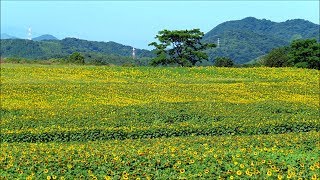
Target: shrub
<point>76,58</point>
<point>277,58</point>
<point>301,65</point>
<point>223,62</point>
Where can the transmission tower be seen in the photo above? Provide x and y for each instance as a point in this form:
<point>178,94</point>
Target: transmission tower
<point>218,42</point>
<point>133,53</point>
<point>29,33</point>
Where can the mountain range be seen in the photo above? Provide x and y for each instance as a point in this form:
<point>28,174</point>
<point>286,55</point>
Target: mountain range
<point>241,40</point>
<point>7,36</point>
<point>45,37</point>
<point>39,38</point>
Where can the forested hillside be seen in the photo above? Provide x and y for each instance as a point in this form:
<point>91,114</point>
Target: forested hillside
<point>249,38</point>
<point>62,48</point>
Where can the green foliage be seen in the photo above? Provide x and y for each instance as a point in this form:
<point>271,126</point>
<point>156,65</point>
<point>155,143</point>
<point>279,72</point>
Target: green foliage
<point>182,47</point>
<point>100,59</point>
<point>14,60</point>
<point>277,58</point>
<point>32,61</point>
<point>305,51</point>
<point>223,62</point>
<point>301,65</point>
<point>76,58</point>
<point>301,53</point>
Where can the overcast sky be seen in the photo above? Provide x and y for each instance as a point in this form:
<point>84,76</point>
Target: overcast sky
<point>136,23</point>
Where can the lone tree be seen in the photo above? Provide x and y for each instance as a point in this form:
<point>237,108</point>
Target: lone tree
<point>77,58</point>
<point>182,47</point>
<point>223,62</point>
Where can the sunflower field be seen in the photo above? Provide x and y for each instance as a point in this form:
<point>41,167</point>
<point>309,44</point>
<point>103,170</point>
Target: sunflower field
<point>100,122</point>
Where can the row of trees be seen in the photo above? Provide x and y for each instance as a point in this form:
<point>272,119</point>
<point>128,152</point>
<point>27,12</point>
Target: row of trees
<point>83,58</point>
<point>185,48</point>
<point>78,58</point>
<point>99,59</point>
<point>301,53</point>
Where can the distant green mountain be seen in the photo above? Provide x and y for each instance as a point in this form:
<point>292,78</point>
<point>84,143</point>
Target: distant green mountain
<point>61,48</point>
<point>45,37</point>
<point>246,39</point>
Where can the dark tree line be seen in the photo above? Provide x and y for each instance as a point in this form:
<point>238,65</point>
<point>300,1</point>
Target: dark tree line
<point>301,53</point>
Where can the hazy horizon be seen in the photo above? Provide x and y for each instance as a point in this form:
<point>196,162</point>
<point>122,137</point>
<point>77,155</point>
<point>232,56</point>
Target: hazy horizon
<point>136,23</point>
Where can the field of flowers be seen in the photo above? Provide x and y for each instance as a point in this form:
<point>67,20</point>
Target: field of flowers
<point>80,122</point>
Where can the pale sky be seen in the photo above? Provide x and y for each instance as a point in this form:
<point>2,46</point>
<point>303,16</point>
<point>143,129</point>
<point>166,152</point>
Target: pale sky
<point>136,23</point>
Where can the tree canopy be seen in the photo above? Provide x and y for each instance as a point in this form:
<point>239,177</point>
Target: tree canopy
<point>77,58</point>
<point>277,57</point>
<point>223,62</point>
<point>181,47</point>
<point>305,51</point>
